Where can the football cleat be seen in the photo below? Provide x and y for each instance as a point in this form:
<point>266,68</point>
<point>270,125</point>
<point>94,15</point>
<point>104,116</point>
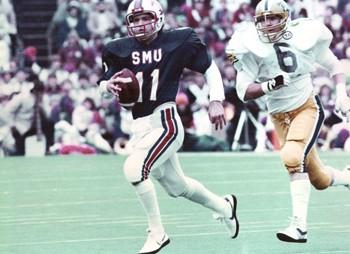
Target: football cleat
<point>347,170</point>
<point>154,243</point>
<point>232,224</point>
<point>294,233</point>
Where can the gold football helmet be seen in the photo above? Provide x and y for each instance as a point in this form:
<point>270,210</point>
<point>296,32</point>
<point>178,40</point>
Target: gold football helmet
<point>271,19</point>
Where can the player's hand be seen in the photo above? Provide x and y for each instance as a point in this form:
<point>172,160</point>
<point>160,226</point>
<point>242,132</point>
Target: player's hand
<point>112,85</point>
<point>217,114</point>
<point>276,83</point>
<point>342,106</point>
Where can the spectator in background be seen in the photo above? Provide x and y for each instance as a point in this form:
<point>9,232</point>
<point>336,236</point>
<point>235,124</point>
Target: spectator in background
<point>102,20</point>
<point>93,52</point>
<point>30,59</point>
<point>5,49</point>
<point>246,142</point>
<point>88,122</point>
<point>19,81</point>
<point>346,17</point>
<point>72,53</point>
<point>196,12</point>
<point>113,119</point>
<point>244,13</point>
<point>337,137</point>
<point>24,112</point>
<point>174,4</point>
<point>198,95</point>
<point>5,42</point>
<point>192,140</point>
<point>88,88</point>
<point>64,108</point>
<point>122,6</point>
<point>74,21</point>
<point>7,89</point>
<point>9,22</point>
<point>223,15</point>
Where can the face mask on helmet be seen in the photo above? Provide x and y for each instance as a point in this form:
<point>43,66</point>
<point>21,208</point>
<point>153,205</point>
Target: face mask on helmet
<point>144,18</point>
<point>271,19</point>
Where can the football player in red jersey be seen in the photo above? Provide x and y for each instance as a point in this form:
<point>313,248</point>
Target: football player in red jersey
<point>158,57</point>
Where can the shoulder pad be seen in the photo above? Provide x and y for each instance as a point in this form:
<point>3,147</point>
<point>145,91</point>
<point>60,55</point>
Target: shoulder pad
<point>176,37</point>
<point>309,32</point>
<point>246,40</point>
<point>121,47</point>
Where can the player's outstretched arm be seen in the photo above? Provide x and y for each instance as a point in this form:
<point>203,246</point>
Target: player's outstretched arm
<point>342,103</point>
<point>216,110</point>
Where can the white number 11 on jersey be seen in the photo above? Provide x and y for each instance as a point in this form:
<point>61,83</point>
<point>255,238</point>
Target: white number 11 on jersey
<point>155,82</point>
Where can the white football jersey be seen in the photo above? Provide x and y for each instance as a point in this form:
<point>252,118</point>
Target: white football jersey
<point>305,43</point>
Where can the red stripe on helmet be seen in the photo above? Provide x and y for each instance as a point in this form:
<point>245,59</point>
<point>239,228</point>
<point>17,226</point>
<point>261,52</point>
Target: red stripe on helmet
<point>138,6</point>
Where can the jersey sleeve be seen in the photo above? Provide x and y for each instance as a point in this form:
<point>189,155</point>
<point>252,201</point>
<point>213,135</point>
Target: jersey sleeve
<point>244,62</point>
<point>197,55</point>
<point>110,64</point>
<point>242,55</point>
<point>247,73</point>
<point>323,54</point>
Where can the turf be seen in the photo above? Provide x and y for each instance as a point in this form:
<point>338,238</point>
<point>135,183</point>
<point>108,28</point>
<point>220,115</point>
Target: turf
<point>76,204</point>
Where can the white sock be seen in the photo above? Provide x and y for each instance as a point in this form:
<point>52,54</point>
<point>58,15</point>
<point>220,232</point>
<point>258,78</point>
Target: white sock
<point>339,177</point>
<point>300,191</point>
<point>147,194</point>
<point>199,194</point>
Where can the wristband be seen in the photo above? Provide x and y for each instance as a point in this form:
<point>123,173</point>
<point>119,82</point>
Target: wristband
<point>103,89</point>
<point>265,86</point>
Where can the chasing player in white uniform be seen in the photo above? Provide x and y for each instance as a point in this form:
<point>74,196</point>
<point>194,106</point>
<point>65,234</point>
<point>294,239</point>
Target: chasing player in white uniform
<point>274,58</point>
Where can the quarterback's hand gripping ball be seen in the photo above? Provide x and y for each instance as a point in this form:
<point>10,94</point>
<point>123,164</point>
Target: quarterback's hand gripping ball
<point>128,87</point>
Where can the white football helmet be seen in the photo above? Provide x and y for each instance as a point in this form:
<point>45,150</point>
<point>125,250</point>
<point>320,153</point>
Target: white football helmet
<point>146,30</point>
<point>267,10</point>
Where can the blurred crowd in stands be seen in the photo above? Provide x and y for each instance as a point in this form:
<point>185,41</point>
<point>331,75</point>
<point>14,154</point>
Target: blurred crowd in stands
<point>61,101</point>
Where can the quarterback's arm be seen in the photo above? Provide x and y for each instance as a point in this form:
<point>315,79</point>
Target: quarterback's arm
<point>214,80</point>
<point>107,86</point>
<point>216,95</point>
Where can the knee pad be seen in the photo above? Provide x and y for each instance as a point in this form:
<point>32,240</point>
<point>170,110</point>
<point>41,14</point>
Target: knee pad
<point>132,170</point>
<point>292,156</point>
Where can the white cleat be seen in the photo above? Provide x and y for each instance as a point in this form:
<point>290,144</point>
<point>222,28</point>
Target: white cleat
<point>231,222</point>
<point>154,243</point>
<point>295,233</point>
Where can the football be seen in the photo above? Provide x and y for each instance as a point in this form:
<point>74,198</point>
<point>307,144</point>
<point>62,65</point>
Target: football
<point>130,92</point>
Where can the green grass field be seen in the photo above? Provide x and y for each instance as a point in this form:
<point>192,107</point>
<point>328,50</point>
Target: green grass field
<point>83,205</point>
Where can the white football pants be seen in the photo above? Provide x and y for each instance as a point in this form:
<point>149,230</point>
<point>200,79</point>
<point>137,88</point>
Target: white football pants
<point>156,139</point>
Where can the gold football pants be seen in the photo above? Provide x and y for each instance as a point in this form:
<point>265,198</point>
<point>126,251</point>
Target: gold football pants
<point>297,131</point>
